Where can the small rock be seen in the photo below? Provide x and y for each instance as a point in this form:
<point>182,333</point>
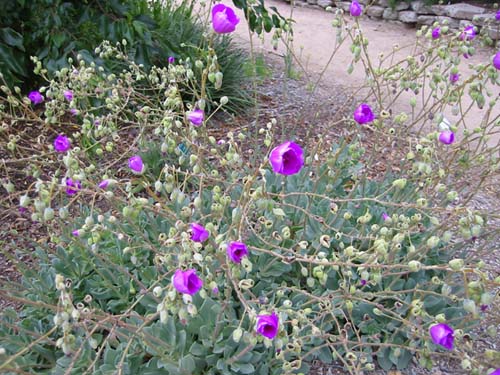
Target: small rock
<point>312,2</point>
<point>420,7</point>
<point>463,11</point>
<point>408,16</point>
<point>493,32</point>
<point>325,3</point>
<point>426,20</point>
<point>462,24</point>
<point>390,14</point>
<point>375,11</point>
<point>438,10</point>
<point>403,5</point>
<point>345,5</point>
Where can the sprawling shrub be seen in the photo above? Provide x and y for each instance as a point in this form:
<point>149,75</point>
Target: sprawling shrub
<point>171,252</point>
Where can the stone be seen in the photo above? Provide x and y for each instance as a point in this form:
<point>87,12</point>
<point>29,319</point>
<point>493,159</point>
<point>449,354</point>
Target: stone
<point>420,7</point>
<point>325,3</point>
<point>483,19</point>
<point>463,11</point>
<point>375,11</point>
<point>408,16</point>
<point>390,14</point>
<point>438,10</point>
<point>345,5</point>
<point>493,32</point>
<point>403,5</point>
<point>451,22</point>
<point>462,24</point>
<point>312,2</point>
<point>426,20</point>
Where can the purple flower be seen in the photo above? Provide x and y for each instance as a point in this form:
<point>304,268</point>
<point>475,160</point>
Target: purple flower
<point>447,137</point>
<point>454,77</point>
<point>73,111</point>
<point>497,371</point>
<point>199,233</point>
<point>196,117</point>
<point>72,186</point>
<point>442,334</point>
<point>363,114</point>
<point>103,184</point>
<point>35,97</point>
<point>171,59</point>
<point>496,61</point>
<point>68,95</point>
<point>362,282</point>
<point>62,143</point>
<point>287,158</point>
<point>224,20</point>
<point>385,217</point>
<point>483,308</point>
<point>187,282</point>
<point>135,163</point>
<point>355,9</point>
<point>497,15</point>
<point>236,251</point>
<point>468,34</point>
<point>267,325</point>
<point>75,233</point>
<point>436,33</point>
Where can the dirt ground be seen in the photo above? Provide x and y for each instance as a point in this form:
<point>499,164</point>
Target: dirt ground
<point>314,43</point>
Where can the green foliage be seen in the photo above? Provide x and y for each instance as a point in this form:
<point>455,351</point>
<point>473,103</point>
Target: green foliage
<point>55,30</point>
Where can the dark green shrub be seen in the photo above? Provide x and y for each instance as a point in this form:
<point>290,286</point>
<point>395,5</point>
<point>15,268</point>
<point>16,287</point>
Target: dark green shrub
<point>55,30</point>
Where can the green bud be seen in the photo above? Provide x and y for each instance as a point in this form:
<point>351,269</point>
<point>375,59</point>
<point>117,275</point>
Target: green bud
<point>237,333</point>
<point>399,183</point>
<point>414,265</point>
<point>466,364</point>
<point>456,264</point>
<point>433,242</point>
<point>48,214</point>
<point>246,283</point>
<point>470,306</point>
<point>452,195</point>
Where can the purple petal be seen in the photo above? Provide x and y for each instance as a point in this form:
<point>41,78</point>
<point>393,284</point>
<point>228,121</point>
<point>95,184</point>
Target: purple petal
<point>442,334</point>
<point>287,158</point>
<point>267,325</point>
<point>224,20</point>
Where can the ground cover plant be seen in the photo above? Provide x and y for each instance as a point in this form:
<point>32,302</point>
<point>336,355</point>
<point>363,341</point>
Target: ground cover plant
<point>174,251</point>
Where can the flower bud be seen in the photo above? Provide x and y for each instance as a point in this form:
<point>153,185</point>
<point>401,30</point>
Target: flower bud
<point>48,214</point>
<point>399,183</point>
<point>470,306</point>
<point>466,364</point>
<point>157,291</point>
<point>237,333</point>
<point>432,242</point>
<point>246,283</point>
<point>414,265</point>
<point>456,264</point>
<point>24,201</point>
